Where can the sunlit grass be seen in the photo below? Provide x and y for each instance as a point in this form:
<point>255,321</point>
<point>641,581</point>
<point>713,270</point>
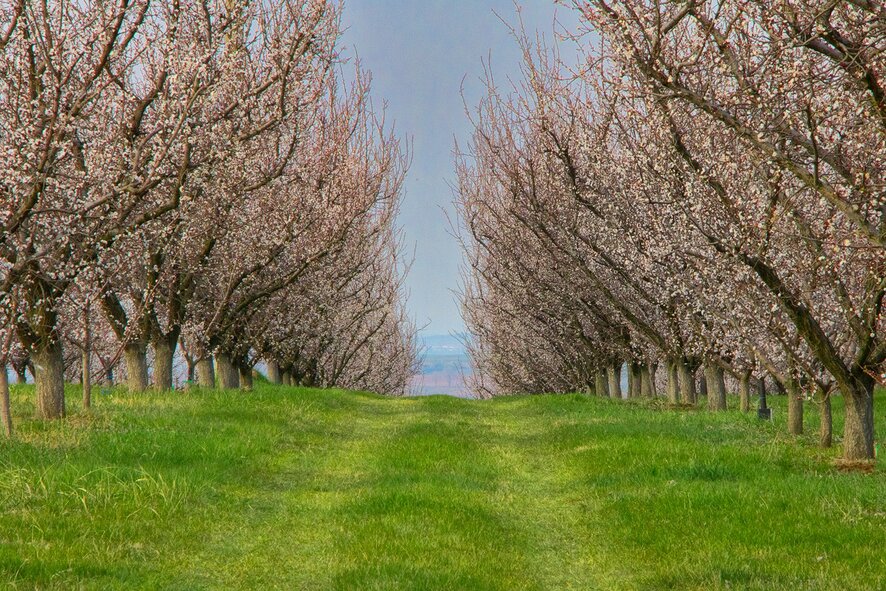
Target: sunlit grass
<point>307,489</point>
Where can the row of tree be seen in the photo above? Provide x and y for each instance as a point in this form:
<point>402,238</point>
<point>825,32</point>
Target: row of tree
<point>707,189</point>
<point>194,174</point>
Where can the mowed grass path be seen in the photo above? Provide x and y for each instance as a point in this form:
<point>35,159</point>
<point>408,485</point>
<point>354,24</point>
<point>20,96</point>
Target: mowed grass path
<point>287,488</point>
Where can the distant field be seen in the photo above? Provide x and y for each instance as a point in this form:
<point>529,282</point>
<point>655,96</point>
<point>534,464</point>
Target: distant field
<point>444,364</point>
<point>288,488</point>
<point>443,374</point>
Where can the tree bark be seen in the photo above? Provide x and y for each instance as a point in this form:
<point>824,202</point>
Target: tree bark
<point>206,372</point>
<point>632,382</point>
<point>716,393</point>
<point>673,381</point>
<point>274,375</point>
<point>5,415</point>
<point>136,357</point>
<point>858,428</point>
<point>86,377</point>
<point>86,361</point>
<point>228,377</point>
<point>636,371</point>
<point>192,370</point>
<point>687,382</point>
<point>744,391</point>
<point>49,367</point>
<point>164,347</point>
<point>647,381</point>
<point>614,374</point>
<point>591,384</point>
<point>601,383</point>
<point>245,377</point>
<point>795,407</point>
<point>826,429</point>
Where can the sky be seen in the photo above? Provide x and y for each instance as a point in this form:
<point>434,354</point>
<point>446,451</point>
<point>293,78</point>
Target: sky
<point>421,54</point>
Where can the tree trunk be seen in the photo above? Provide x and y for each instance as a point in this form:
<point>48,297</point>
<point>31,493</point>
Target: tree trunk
<point>206,372</point>
<point>228,377</point>
<point>744,391</point>
<point>795,407</point>
<point>614,375</point>
<point>636,371</point>
<point>86,376</point>
<point>632,384</point>
<point>826,429</point>
<point>716,393</point>
<point>5,416</point>
<point>673,382</point>
<point>647,381</point>
<point>164,347</point>
<point>687,382</point>
<point>591,384</point>
<point>192,370</point>
<point>109,377</point>
<point>136,358</point>
<point>49,376</point>
<point>86,366</point>
<point>858,428</point>
<point>601,383</point>
<point>21,375</point>
<point>245,377</point>
<point>274,375</point>
<point>721,389</point>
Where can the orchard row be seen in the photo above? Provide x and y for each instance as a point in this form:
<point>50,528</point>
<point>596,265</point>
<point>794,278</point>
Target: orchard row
<point>706,189</point>
<point>194,176</point>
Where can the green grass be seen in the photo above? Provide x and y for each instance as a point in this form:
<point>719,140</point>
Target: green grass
<point>306,489</point>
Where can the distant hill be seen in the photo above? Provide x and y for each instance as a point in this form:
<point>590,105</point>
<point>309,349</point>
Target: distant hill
<point>443,343</point>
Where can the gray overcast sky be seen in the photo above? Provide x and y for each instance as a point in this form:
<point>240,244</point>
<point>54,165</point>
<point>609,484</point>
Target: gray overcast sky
<point>419,52</point>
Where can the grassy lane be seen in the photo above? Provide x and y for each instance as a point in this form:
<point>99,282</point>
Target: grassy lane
<point>395,494</point>
<point>660,500</point>
<point>301,489</point>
